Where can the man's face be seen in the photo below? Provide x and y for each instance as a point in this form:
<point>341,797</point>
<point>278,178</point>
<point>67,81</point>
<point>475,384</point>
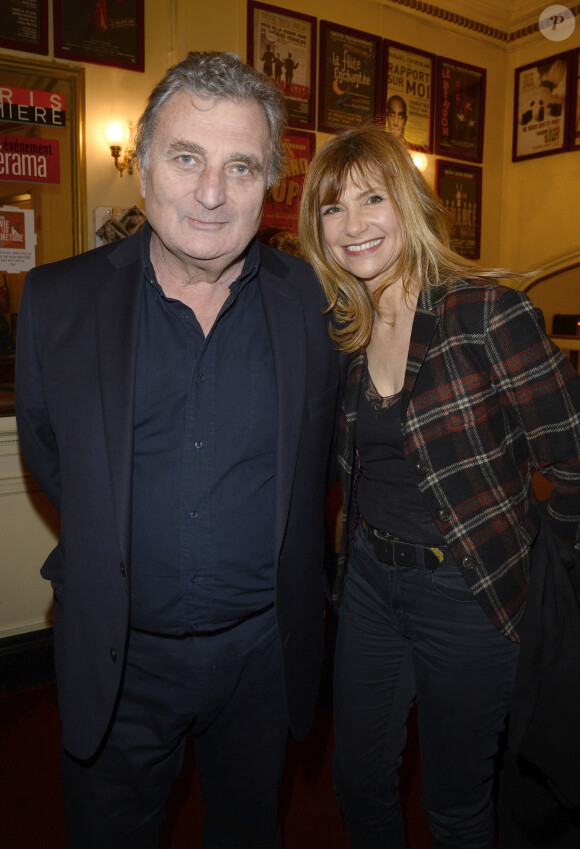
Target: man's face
<point>206,180</point>
<point>396,117</point>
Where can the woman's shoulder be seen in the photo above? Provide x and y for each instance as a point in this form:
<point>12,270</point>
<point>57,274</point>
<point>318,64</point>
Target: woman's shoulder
<point>485,291</point>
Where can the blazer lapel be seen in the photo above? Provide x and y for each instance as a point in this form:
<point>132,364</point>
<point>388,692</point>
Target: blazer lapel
<point>424,326</point>
<point>117,322</point>
<point>288,337</point>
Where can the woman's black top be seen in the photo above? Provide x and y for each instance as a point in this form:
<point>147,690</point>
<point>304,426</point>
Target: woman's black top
<point>387,495</point>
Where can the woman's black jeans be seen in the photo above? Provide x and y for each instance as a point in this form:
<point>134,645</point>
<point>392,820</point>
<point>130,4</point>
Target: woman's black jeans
<point>405,632</point>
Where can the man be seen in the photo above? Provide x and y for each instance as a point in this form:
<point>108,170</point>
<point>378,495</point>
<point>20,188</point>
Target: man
<point>396,115</point>
<point>176,401</point>
<point>289,67</point>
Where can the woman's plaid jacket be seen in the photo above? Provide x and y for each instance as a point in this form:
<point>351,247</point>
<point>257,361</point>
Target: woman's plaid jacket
<point>487,400</point>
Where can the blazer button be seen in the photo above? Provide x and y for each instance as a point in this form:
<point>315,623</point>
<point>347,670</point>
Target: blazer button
<point>122,568</point>
<point>444,514</point>
<point>114,655</point>
<point>468,562</point>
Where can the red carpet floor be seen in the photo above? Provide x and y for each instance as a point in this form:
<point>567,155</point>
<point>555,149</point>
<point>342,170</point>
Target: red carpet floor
<point>31,815</point>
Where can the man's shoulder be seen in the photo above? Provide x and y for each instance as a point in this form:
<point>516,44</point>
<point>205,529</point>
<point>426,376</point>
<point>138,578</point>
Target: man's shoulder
<point>275,259</point>
<point>285,266</point>
<point>92,263</point>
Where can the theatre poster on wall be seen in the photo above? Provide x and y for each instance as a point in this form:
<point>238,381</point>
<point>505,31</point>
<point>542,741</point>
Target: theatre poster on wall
<point>459,187</point>
<point>540,114</point>
<point>575,123</point>
<point>104,32</point>
<point>283,199</point>
<point>282,44</point>
<point>17,240</point>
<point>409,90</point>
<point>460,110</point>
<point>349,90</point>
<point>24,25</point>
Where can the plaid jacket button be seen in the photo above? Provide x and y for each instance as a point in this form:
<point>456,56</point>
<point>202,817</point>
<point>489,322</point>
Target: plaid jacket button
<point>421,467</point>
<point>444,514</point>
<point>468,562</point>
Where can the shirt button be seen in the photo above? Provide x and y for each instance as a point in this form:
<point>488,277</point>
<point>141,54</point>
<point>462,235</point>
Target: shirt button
<point>113,655</point>
<point>122,568</point>
<point>202,378</point>
<point>194,514</point>
<point>193,579</point>
<point>468,562</point>
<point>444,514</point>
<point>198,444</point>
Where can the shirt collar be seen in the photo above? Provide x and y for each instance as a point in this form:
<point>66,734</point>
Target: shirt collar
<point>249,270</point>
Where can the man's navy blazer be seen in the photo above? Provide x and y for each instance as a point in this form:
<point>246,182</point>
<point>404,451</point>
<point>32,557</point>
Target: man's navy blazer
<point>76,353</point>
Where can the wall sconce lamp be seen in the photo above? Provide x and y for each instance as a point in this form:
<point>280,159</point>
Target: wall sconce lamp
<point>420,160</point>
<point>118,135</point>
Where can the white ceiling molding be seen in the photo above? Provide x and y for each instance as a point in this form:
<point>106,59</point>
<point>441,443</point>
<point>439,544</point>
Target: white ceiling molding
<point>503,20</point>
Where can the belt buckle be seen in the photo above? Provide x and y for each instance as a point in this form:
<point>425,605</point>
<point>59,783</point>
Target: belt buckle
<point>438,553</point>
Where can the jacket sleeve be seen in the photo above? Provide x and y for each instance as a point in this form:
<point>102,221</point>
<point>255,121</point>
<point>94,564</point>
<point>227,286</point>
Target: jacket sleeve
<point>543,400</point>
<point>36,435</point>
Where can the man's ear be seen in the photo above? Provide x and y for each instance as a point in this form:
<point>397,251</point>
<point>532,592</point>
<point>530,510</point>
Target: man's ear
<point>142,180</point>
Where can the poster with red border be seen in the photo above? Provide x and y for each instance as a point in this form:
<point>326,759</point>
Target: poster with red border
<point>283,199</point>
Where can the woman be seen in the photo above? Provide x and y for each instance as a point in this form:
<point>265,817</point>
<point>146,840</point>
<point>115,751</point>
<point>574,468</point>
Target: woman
<point>454,397</point>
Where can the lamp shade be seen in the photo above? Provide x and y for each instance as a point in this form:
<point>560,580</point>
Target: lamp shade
<point>116,132</point>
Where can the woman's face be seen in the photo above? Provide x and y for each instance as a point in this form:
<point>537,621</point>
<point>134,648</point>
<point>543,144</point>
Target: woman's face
<point>362,231</point>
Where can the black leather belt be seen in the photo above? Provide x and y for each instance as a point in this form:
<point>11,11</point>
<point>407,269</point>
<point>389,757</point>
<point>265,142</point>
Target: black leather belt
<point>390,549</point>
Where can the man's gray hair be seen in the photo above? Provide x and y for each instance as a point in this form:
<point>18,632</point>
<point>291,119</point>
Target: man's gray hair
<point>218,76</point>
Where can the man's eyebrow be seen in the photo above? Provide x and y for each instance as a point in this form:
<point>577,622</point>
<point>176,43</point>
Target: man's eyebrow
<point>253,163</point>
<point>181,145</point>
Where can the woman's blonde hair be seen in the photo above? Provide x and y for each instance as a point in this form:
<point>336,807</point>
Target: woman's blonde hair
<point>367,155</point>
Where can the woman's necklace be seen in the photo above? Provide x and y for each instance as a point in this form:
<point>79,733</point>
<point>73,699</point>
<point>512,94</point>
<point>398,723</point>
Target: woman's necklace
<point>390,323</point>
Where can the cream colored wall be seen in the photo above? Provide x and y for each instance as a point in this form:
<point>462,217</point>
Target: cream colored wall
<point>529,213</point>
<point>29,527</point>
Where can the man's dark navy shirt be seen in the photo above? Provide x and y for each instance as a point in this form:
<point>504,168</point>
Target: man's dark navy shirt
<point>204,460</point>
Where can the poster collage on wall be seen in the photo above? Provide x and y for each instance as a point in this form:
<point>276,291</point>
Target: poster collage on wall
<point>434,104</point>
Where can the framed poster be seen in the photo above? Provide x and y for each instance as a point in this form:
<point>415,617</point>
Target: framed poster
<point>409,94</point>
<point>349,92</point>
<point>459,187</point>
<point>282,44</point>
<point>575,108</point>
<point>101,32</point>
<point>42,184</point>
<point>460,94</point>
<point>540,113</point>
<point>24,25</point>
<point>283,199</point>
